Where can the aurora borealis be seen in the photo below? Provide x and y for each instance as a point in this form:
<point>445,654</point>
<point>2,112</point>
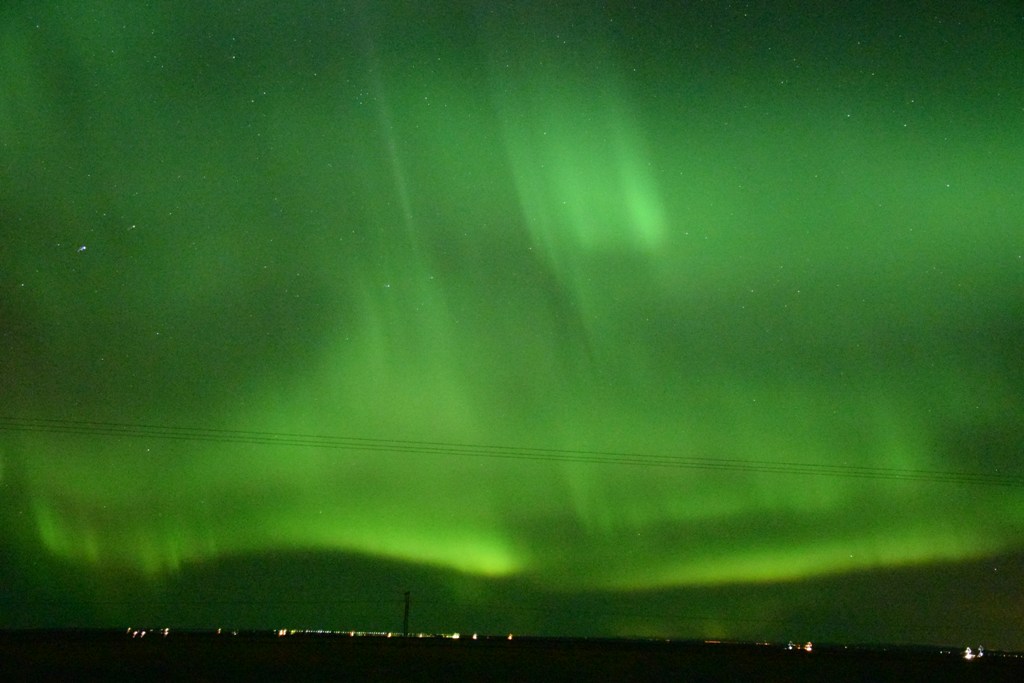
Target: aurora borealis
<point>601,319</point>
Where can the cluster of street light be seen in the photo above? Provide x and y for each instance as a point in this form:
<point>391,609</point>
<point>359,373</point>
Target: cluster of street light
<point>968,654</point>
<point>141,632</point>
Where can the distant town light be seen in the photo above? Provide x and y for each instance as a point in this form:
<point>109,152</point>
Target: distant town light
<point>970,654</point>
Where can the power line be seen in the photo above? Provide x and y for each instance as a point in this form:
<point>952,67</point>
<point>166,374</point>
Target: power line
<point>265,438</point>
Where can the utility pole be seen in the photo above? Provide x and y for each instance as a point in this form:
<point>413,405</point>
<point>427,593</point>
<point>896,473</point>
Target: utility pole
<point>405,620</point>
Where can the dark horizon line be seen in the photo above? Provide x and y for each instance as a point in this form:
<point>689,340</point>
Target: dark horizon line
<point>159,633</point>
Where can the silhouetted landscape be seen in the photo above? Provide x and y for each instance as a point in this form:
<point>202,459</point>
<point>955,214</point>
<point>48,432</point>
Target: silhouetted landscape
<point>161,654</point>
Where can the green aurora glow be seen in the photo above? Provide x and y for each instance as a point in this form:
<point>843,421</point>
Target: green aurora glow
<point>767,239</point>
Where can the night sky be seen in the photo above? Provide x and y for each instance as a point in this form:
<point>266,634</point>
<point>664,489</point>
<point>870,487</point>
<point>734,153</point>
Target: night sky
<point>575,318</point>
